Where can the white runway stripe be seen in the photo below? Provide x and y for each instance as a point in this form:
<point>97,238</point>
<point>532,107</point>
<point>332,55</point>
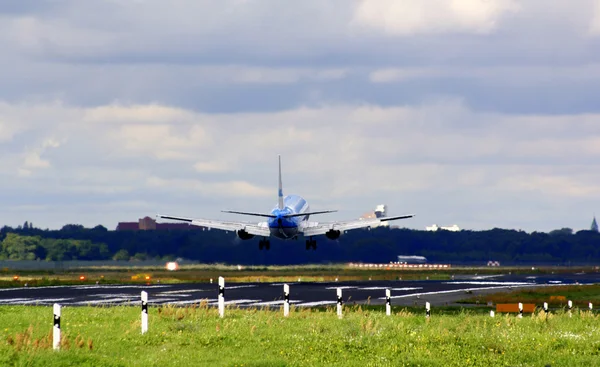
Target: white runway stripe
<point>12,300</point>
<point>104,301</point>
<point>455,291</point>
<point>345,287</point>
<point>240,286</point>
<point>183,291</point>
<point>407,289</point>
<point>507,284</point>
<point>44,300</point>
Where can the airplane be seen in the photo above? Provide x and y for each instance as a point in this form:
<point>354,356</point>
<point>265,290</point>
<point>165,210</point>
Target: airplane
<point>288,220</point>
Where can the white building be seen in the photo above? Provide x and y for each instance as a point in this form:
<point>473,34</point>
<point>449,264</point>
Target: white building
<point>435,227</point>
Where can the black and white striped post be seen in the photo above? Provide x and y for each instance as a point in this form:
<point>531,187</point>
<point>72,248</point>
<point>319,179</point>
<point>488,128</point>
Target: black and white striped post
<point>427,310</point>
<point>286,300</point>
<point>144,312</point>
<point>546,307</point>
<point>56,328</point>
<point>570,304</point>
<point>339,302</point>
<point>520,310</point>
<point>221,297</point>
<point>388,302</point>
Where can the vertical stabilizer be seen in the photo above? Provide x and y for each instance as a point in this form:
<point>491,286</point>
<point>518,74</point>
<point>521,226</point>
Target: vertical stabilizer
<point>280,194</point>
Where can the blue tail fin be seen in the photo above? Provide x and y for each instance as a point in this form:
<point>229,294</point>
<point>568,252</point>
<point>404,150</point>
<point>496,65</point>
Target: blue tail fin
<point>280,202</point>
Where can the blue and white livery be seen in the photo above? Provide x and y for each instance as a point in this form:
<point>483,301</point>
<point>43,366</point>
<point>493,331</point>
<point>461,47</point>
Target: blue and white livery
<point>288,220</point>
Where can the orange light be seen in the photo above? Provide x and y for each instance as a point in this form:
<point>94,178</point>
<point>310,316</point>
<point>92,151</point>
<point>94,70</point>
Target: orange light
<point>147,277</point>
<point>16,277</point>
<point>82,277</point>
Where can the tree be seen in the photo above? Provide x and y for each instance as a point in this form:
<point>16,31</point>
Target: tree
<point>121,255</point>
<point>16,247</point>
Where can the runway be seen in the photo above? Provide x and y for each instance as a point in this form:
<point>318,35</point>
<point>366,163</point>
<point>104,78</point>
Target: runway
<point>302,294</point>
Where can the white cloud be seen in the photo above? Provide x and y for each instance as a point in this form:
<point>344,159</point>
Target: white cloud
<point>408,17</point>
<point>418,158</point>
<point>595,24</point>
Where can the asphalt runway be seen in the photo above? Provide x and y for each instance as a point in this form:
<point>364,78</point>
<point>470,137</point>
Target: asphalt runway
<point>302,294</point>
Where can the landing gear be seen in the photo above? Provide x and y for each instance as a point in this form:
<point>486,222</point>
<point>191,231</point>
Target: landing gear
<point>310,243</point>
<point>266,244</point>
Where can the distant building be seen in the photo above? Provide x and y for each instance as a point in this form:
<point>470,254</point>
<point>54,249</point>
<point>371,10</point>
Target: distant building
<point>435,227</point>
<point>594,227</point>
<point>147,223</point>
<point>379,212</point>
<point>411,259</point>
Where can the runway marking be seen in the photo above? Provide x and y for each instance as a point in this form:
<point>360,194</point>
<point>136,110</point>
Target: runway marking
<point>172,295</point>
<point>104,301</point>
<point>11,300</point>
<point>508,284</point>
<point>44,300</point>
<point>343,287</point>
<point>184,291</point>
<point>113,295</point>
<point>455,291</point>
<point>117,286</point>
<point>373,289</point>
<point>319,303</point>
<point>240,286</point>
<point>407,289</point>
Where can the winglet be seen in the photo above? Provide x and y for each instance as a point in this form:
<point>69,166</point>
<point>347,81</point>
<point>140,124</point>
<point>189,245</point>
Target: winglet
<point>280,194</point>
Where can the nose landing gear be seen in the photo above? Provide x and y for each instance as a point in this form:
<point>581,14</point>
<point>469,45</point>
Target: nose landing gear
<point>266,244</point>
<point>310,243</point>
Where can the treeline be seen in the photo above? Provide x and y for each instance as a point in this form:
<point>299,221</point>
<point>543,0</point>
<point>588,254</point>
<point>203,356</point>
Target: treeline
<point>382,245</point>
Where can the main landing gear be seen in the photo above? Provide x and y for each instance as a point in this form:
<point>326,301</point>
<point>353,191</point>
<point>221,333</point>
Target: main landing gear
<point>266,244</point>
<point>310,243</point>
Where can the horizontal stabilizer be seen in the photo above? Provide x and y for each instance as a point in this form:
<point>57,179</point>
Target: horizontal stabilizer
<point>189,220</point>
<point>250,214</point>
<point>385,219</point>
<point>309,213</point>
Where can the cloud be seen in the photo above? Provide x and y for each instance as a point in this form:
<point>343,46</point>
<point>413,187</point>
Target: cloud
<point>595,24</point>
<point>409,17</point>
<point>421,158</point>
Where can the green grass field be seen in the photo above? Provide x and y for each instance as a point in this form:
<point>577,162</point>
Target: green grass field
<point>196,336</point>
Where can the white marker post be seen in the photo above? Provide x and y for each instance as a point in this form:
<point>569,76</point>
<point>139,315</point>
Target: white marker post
<point>520,310</point>
<point>339,302</point>
<point>492,314</point>
<point>286,300</point>
<point>144,312</point>
<point>570,303</point>
<point>56,328</point>
<point>388,302</point>
<point>546,307</point>
<point>591,307</point>
<point>427,309</point>
<point>221,297</point>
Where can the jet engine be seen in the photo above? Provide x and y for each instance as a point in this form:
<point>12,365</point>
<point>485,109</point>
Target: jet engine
<point>333,234</point>
<point>243,235</point>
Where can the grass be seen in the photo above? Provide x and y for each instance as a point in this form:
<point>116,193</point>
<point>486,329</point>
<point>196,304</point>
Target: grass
<point>581,295</point>
<point>196,336</point>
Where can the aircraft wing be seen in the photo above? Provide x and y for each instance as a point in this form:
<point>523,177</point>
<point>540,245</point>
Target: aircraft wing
<point>315,229</point>
<point>257,229</point>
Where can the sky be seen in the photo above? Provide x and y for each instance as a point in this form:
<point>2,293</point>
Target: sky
<point>480,113</point>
